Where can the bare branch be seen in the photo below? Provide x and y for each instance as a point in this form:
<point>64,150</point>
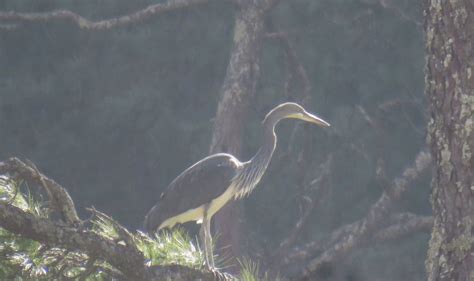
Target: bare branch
<point>399,226</point>
<point>361,230</point>
<point>83,23</point>
<point>319,185</point>
<point>410,224</point>
<point>309,249</point>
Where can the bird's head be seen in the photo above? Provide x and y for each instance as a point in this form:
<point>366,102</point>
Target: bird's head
<point>296,111</point>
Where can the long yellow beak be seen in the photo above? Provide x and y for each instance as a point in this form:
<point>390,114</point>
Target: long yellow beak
<point>306,116</point>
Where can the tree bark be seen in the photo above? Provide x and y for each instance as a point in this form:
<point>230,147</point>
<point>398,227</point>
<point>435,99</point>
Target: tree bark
<point>238,89</point>
<point>449,27</point>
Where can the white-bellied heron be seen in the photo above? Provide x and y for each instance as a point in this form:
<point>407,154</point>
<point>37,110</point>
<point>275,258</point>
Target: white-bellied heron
<point>205,187</point>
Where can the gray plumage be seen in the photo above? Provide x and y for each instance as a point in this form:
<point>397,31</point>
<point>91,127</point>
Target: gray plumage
<point>209,178</point>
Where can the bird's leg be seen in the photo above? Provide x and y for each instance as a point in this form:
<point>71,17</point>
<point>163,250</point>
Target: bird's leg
<point>202,237</point>
<point>206,239</point>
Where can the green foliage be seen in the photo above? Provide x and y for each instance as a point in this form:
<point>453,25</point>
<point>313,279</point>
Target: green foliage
<point>104,227</point>
<point>174,247</point>
<point>250,271</point>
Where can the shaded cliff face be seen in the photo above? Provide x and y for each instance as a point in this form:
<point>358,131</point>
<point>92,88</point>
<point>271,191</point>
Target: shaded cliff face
<point>450,89</point>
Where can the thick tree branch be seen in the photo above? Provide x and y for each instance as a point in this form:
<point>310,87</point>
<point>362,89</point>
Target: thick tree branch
<point>126,259</point>
<point>43,230</point>
<point>70,235</point>
<point>359,231</point>
<point>83,23</point>
<point>60,199</point>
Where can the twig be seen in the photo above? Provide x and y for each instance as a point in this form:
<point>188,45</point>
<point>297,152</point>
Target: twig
<point>399,12</point>
<point>84,23</point>
<point>392,104</point>
<point>367,117</point>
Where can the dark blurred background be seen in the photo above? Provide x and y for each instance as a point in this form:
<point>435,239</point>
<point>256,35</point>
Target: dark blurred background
<point>115,115</point>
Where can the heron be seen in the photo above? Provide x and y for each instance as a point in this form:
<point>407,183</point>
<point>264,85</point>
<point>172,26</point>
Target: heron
<point>203,189</point>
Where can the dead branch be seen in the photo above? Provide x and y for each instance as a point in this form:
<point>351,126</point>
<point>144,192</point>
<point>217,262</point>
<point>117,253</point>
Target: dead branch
<point>83,23</point>
<point>308,250</point>
<point>397,227</point>
<point>358,232</point>
<point>407,225</point>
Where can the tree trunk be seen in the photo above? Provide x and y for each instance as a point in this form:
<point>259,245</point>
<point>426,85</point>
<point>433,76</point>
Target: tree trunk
<point>449,27</point>
<point>238,89</point>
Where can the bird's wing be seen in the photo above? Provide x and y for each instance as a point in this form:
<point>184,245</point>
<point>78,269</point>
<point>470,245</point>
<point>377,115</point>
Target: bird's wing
<point>197,185</point>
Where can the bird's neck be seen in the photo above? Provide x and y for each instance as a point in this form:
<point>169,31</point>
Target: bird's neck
<point>254,169</point>
<point>264,154</point>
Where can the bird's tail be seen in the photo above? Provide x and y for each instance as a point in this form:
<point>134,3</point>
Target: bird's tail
<point>152,220</point>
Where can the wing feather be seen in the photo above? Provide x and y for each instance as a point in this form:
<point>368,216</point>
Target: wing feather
<point>196,186</point>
